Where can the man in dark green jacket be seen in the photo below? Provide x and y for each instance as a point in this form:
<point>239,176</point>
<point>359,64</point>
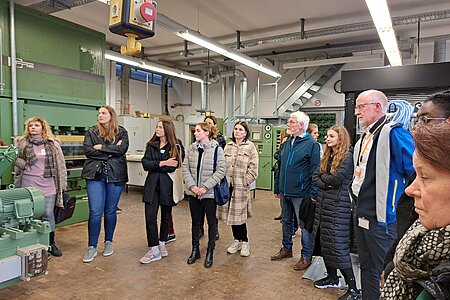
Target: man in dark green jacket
<point>298,159</point>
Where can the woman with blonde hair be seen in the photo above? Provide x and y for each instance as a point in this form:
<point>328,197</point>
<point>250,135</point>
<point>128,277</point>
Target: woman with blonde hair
<point>41,164</point>
<point>201,174</point>
<point>105,171</point>
<point>163,154</point>
<point>333,212</point>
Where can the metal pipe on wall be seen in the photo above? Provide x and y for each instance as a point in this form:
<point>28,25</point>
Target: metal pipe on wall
<point>1,63</point>
<point>13,69</point>
<point>204,95</point>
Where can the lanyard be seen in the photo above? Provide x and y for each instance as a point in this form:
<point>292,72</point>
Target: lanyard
<point>366,143</point>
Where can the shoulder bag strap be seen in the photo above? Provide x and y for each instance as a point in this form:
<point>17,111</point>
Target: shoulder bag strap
<point>215,160</point>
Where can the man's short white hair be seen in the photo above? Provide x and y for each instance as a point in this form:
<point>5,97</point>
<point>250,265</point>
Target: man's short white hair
<point>301,118</point>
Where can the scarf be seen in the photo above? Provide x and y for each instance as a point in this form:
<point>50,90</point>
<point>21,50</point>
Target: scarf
<point>31,158</point>
<point>417,254</point>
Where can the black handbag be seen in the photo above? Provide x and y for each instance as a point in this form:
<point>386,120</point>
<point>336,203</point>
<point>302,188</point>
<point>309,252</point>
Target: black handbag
<point>66,212</point>
<point>222,190</point>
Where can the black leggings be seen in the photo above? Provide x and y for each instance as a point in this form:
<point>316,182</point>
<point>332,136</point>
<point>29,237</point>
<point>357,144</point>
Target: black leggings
<point>209,206</point>
<point>151,223</point>
<point>240,232</point>
<point>348,276</point>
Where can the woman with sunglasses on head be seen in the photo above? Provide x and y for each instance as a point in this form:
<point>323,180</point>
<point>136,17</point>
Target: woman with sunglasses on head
<point>164,154</point>
<point>41,164</point>
<point>212,121</point>
<point>242,169</point>
<point>200,178</point>
<point>105,171</point>
<point>333,213</point>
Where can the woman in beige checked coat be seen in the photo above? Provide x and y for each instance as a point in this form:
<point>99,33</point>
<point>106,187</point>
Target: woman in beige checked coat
<point>242,169</point>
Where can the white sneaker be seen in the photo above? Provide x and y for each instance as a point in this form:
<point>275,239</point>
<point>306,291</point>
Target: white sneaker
<point>90,254</point>
<point>163,249</point>
<point>245,249</point>
<point>235,247</point>
<point>151,256</point>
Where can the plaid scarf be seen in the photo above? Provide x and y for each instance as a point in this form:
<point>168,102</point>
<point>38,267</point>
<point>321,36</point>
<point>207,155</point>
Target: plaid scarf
<point>31,158</point>
<point>417,254</point>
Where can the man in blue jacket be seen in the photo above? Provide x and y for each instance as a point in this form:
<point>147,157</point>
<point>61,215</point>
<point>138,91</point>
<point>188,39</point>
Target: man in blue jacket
<point>298,159</point>
<point>383,164</point>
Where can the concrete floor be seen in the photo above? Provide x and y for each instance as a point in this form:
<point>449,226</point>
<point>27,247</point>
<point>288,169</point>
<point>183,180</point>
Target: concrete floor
<point>121,276</point>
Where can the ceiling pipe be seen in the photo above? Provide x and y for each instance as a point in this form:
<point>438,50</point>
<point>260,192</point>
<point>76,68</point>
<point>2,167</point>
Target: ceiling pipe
<point>331,61</point>
<point>243,87</point>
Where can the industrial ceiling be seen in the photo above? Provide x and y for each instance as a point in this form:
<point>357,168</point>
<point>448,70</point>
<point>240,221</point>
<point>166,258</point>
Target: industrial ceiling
<point>268,29</point>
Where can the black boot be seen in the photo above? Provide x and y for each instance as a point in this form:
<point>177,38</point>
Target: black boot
<point>53,249</point>
<point>209,258</point>
<point>195,254</point>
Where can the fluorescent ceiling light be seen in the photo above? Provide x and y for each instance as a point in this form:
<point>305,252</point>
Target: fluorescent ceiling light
<point>110,55</point>
<point>331,61</point>
<point>104,1</point>
<point>201,40</point>
<point>212,45</point>
<point>382,20</point>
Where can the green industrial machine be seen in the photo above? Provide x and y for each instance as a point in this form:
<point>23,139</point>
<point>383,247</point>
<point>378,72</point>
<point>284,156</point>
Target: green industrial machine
<point>23,239</point>
<point>60,77</point>
<point>261,136</point>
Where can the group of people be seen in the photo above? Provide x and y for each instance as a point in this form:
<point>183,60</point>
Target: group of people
<point>362,186</point>
<point>204,166</point>
<point>346,186</point>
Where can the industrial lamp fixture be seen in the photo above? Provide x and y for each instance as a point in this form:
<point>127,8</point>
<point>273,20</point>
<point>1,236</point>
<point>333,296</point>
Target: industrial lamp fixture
<point>382,20</point>
<point>113,56</point>
<point>201,40</point>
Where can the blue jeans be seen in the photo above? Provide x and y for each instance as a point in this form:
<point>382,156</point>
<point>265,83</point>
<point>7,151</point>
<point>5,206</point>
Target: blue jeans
<point>103,199</point>
<point>49,215</point>
<point>290,209</point>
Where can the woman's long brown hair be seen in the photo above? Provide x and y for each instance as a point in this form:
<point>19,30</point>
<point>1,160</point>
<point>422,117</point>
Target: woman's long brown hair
<point>339,155</point>
<point>169,132</point>
<point>108,134</point>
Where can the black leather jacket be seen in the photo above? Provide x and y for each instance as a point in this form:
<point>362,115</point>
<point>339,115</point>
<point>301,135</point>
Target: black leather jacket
<point>111,153</point>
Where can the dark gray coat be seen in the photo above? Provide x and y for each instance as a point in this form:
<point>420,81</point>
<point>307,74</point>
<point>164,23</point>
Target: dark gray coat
<point>333,213</point>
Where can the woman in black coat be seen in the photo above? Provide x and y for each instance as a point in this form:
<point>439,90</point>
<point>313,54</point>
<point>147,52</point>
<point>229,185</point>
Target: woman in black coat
<point>164,153</point>
<point>333,212</point>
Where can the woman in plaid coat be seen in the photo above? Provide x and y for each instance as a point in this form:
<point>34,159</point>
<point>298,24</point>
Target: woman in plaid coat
<point>242,169</point>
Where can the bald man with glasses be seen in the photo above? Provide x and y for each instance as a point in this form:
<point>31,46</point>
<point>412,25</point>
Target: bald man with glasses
<point>383,165</point>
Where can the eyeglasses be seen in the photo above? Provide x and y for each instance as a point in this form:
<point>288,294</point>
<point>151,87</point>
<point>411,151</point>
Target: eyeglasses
<point>292,122</point>
<point>425,120</point>
<point>361,106</point>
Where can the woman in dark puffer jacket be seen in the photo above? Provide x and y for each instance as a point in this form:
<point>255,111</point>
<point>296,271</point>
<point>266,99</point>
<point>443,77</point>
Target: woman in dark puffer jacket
<point>333,212</point>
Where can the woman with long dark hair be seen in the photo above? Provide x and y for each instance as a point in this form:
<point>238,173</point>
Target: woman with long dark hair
<point>333,212</point>
<point>41,164</point>
<point>105,171</point>
<point>163,154</point>
<point>200,179</point>
<point>242,169</point>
